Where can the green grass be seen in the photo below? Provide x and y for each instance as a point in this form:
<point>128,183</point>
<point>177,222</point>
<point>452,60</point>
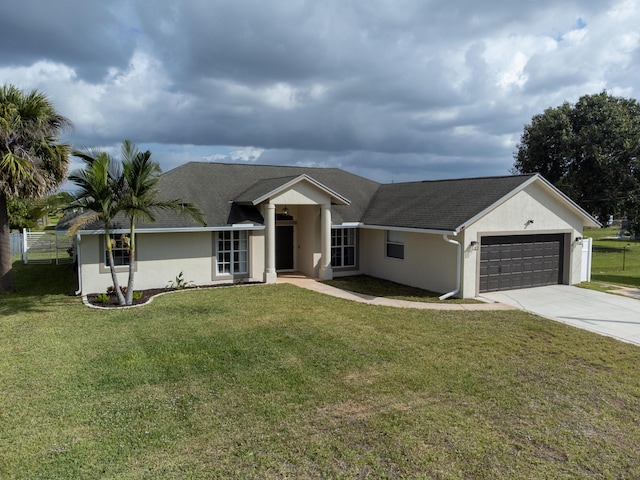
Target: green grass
<point>610,256</point>
<point>273,381</point>
<point>378,287</point>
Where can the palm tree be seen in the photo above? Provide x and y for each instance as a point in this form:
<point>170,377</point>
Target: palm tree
<point>140,199</point>
<point>99,198</point>
<point>108,188</point>
<point>32,161</point>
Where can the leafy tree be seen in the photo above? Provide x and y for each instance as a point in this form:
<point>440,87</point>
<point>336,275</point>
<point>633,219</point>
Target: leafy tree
<point>141,199</point>
<point>108,189</point>
<point>19,214</point>
<point>51,204</point>
<point>589,150</point>
<point>33,162</point>
<point>26,213</point>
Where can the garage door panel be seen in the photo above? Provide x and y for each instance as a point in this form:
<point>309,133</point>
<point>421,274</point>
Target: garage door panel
<point>493,269</point>
<point>508,262</point>
<point>517,251</point>
<point>538,264</point>
<point>516,281</point>
<point>493,284</point>
<point>505,269</point>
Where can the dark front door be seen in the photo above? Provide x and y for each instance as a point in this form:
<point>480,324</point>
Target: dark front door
<point>520,261</point>
<point>284,247</point>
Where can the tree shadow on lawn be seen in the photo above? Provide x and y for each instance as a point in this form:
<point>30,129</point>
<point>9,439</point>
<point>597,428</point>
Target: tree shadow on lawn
<point>38,286</point>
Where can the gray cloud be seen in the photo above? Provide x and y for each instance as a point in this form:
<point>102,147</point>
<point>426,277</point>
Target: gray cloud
<point>84,35</point>
<point>395,90</point>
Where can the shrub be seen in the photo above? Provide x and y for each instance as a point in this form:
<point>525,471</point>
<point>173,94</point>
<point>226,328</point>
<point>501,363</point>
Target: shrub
<point>112,290</point>
<point>179,283</point>
<point>103,298</point>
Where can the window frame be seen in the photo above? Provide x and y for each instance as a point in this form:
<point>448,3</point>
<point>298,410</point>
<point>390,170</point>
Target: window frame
<point>394,247</point>
<point>348,239</point>
<point>103,260</point>
<point>231,242</point>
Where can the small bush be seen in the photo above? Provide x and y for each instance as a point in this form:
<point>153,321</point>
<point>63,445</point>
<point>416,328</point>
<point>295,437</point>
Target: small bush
<point>112,290</point>
<point>103,298</point>
<point>179,283</point>
<point>137,295</point>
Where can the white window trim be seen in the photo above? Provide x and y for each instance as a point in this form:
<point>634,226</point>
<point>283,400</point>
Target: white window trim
<point>395,242</point>
<point>232,252</point>
<point>343,246</point>
<point>104,264</point>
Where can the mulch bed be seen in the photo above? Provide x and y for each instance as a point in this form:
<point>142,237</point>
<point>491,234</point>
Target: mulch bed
<point>92,298</point>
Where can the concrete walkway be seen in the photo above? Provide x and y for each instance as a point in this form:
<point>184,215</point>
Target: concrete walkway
<point>311,284</point>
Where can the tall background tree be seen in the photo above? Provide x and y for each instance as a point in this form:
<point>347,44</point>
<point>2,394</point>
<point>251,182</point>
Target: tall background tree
<point>33,161</point>
<point>590,151</point>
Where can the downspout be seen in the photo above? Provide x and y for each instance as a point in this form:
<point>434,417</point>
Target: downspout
<point>458,271</point>
<point>77,254</point>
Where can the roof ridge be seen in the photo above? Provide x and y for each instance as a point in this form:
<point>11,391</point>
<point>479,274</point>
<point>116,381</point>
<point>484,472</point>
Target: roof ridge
<point>465,179</point>
<point>265,165</point>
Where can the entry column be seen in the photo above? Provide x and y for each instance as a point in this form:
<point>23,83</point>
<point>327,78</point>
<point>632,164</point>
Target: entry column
<point>270,244</point>
<point>326,273</point>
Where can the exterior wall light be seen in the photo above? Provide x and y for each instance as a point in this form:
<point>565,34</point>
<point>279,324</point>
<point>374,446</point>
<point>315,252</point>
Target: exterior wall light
<point>473,245</point>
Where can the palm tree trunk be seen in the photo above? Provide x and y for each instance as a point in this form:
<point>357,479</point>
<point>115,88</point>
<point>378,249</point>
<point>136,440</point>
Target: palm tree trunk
<point>132,256</point>
<point>6,273</point>
<point>112,268</point>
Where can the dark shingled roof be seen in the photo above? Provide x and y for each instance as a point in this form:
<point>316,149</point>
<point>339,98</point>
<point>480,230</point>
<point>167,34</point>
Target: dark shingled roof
<point>437,205</point>
<point>214,187</point>
<point>224,193</point>
<point>262,187</point>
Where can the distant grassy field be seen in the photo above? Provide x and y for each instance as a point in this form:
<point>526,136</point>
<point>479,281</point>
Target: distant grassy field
<point>614,261</point>
<point>273,381</point>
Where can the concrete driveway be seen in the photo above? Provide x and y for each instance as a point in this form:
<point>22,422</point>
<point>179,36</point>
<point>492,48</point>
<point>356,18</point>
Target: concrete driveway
<point>603,313</point>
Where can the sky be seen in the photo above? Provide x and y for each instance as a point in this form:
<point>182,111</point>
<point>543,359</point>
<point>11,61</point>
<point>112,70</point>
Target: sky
<point>393,90</point>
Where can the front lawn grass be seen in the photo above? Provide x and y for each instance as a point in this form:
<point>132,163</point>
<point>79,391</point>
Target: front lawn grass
<point>273,381</point>
<point>377,287</point>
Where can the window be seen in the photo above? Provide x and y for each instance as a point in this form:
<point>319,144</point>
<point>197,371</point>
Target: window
<point>395,244</point>
<point>120,250</point>
<point>232,252</point>
<point>343,247</point>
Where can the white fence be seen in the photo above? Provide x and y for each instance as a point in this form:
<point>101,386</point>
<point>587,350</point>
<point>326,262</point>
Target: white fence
<point>16,243</point>
<point>587,250</point>
<point>45,247</point>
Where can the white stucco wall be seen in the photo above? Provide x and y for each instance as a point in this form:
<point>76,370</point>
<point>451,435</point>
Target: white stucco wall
<point>549,215</point>
<point>161,257</point>
<point>307,239</point>
<point>256,255</point>
<point>302,193</point>
<point>429,262</point>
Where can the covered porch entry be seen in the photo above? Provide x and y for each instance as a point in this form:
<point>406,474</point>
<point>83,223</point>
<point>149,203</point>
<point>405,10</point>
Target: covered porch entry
<point>297,219</point>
